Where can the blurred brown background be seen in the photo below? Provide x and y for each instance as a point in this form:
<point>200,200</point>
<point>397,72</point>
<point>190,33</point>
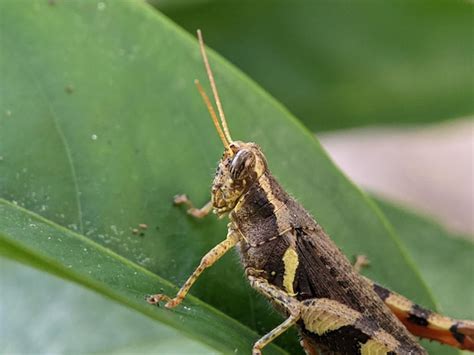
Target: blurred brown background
<point>427,168</point>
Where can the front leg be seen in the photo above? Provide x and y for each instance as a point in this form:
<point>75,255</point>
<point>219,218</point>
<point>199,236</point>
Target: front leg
<point>208,260</point>
<point>193,211</point>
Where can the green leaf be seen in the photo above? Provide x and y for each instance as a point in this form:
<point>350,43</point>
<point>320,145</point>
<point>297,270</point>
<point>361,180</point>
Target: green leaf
<point>101,125</point>
<point>32,239</point>
<point>45,313</point>
<point>338,64</point>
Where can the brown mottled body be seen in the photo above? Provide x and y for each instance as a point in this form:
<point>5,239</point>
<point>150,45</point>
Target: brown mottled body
<point>271,222</point>
<point>291,261</point>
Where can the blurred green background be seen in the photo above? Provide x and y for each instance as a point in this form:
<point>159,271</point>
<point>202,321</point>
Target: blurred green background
<point>100,125</point>
<point>339,64</point>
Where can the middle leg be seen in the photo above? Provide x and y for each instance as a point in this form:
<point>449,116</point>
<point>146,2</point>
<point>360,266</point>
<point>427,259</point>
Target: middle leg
<point>282,300</point>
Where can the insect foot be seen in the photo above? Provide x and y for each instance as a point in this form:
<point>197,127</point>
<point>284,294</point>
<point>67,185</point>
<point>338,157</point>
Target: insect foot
<point>361,262</point>
<point>180,199</point>
<point>193,211</point>
<point>156,299</point>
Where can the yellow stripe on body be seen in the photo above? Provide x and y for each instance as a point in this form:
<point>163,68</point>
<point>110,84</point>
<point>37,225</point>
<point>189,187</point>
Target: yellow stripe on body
<point>264,183</point>
<point>291,262</point>
<point>278,205</point>
<point>290,258</point>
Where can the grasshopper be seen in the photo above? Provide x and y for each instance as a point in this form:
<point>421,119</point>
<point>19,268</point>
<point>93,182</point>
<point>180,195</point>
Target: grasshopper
<point>289,259</point>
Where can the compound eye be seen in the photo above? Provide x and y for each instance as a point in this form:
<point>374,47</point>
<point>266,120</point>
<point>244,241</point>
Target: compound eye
<point>241,163</point>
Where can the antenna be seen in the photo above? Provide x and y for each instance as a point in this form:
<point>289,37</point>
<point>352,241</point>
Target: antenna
<point>206,100</point>
<point>213,87</point>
